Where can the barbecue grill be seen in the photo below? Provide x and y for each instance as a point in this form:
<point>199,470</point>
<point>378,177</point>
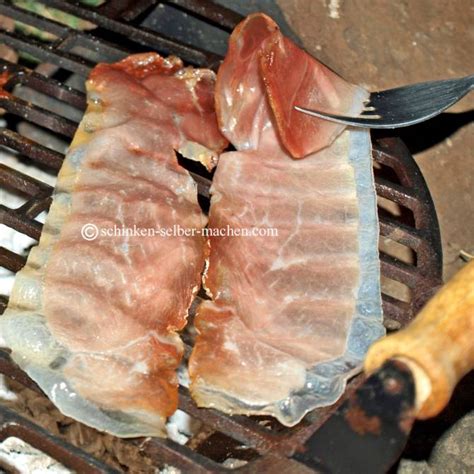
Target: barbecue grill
<point>69,58</point>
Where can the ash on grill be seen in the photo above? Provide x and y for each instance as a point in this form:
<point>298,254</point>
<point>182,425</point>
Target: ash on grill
<point>46,59</point>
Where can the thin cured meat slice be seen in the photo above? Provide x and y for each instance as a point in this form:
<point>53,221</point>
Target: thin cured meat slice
<point>93,316</point>
<point>291,315</point>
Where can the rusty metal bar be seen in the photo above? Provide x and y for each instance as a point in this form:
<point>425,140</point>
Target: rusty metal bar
<point>10,260</point>
<point>13,179</point>
<point>174,454</point>
<point>401,233</point>
<point>29,18</point>
<point>142,36</point>
<point>126,10</point>
<point>39,153</point>
<point>46,85</point>
<point>74,458</point>
<point>399,311</point>
<point>38,115</point>
<point>38,50</point>
<point>212,12</point>
<point>20,222</point>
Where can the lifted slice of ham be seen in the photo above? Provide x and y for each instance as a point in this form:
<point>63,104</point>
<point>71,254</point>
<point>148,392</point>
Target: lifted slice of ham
<point>291,316</point>
<point>292,77</point>
<point>94,322</point>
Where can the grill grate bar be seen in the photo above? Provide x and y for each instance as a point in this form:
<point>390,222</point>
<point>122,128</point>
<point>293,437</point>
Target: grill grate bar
<point>105,50</point>
<point>399,270</point>
<point>38,115</point>
<point>67,39</point>
<point>47,85</point>
<point>395,193</point>
<point>14,372</point>
<point>399,311</point>
<point>20,222</point>
<point>243,429</point>
<point>11,261</point>
<point>39,153</point>
<point>401,233</point>
<point>214,13</point>
<point>126,10</point>
<point>13,179</point>
<point>46,53</point>
<point>31,18</point>
<point>251,433</point>
<point>174,454</point>
<point>12,424</point>
<point>35,206</point>
<point>393,153</point>
<point>142,36</point>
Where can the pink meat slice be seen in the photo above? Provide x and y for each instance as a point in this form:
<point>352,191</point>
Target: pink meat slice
<point>94,322</point>
<point>292,77</point>
<point>290,315</point>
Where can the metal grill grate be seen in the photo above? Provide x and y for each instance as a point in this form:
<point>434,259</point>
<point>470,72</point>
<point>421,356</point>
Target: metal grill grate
<point>73,53</point>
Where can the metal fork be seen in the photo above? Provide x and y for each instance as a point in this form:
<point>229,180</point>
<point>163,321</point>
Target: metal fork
<point>404,106</point>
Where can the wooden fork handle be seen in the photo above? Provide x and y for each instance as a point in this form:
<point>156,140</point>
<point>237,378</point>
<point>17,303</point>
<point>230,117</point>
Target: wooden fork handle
<point>438,346</point>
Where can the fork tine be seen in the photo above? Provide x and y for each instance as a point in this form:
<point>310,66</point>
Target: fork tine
<point>419,93</point>
<point>366,122</point>
<point>404,106</point>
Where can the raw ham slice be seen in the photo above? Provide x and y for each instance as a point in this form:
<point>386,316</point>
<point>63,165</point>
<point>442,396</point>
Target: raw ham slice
<point>94,321</point>
<point>291,316</point>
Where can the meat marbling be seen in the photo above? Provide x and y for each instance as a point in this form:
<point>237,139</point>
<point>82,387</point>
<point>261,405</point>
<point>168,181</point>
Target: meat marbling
<point>291,316</point>
<point>94,322</point>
